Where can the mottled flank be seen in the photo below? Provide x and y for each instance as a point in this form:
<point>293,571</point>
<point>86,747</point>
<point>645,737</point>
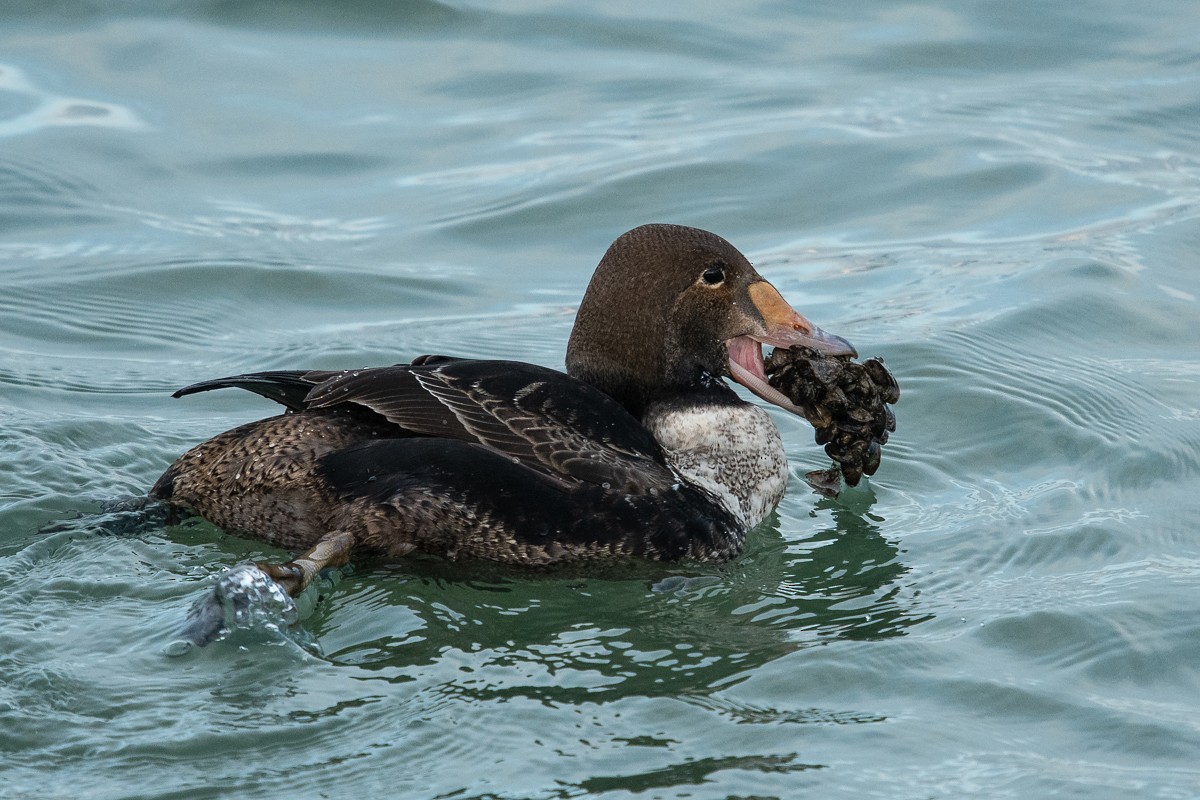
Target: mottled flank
<point>259,479</point>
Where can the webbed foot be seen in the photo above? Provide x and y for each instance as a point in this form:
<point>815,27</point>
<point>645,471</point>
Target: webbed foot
<point>332,550</point>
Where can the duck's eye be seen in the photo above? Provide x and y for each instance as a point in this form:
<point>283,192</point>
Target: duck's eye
<point>713,276</point>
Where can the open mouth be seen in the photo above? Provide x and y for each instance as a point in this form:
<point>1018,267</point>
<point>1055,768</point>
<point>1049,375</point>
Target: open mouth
<point>782,327</point>
<point>747,367</point>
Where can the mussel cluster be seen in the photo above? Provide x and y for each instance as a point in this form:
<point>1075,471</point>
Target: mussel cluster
<point>846,402</point>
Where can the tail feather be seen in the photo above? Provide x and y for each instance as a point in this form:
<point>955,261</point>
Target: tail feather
<point>286,387</point>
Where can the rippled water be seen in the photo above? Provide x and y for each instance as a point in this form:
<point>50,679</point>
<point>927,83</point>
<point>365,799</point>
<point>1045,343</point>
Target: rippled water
<point>1002,199</point>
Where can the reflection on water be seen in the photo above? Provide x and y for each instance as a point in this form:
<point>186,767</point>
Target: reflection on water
<point>560,637</point>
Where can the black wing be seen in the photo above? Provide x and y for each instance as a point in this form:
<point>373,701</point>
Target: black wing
<point>540,417</point>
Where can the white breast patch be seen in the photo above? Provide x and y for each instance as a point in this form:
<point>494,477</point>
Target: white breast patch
<point>734,452</point>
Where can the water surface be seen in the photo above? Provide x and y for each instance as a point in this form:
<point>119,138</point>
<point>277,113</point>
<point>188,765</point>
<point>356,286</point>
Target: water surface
<point>1000,199</point>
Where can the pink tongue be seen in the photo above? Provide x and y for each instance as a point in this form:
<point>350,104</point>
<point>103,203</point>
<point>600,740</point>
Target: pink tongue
<point>746,367</point>
<point>746,353</point>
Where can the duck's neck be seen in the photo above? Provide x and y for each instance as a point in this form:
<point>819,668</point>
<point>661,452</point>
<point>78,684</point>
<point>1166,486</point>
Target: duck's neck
<point>723,445</point>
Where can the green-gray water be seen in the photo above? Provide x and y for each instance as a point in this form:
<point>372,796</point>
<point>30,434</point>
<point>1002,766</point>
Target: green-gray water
<point>1001,199</point>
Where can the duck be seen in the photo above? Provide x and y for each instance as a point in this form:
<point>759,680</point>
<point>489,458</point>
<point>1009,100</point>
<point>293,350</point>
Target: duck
<point>639,450</point>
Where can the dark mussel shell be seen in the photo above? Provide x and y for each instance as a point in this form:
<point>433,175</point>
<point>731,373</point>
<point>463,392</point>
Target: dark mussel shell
<point>847,403</point>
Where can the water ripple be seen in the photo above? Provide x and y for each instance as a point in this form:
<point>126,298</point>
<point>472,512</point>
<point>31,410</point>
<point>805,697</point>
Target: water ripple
<point>1003,205</point>
<point>59,111</point>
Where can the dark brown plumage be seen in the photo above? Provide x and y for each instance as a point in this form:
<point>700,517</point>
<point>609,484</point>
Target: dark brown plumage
<point>518,463</point>
<point>492,459</point>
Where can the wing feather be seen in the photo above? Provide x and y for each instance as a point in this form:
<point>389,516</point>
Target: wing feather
<point>560,426</point>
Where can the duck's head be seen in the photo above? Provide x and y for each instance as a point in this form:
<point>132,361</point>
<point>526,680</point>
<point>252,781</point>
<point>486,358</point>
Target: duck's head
<point>670,304</point>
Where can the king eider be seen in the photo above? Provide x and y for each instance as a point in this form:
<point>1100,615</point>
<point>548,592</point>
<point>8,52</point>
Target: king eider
<point>639,450</point>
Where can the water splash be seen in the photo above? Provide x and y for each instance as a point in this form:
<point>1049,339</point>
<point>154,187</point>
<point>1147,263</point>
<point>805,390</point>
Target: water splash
<point>244,598</point>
